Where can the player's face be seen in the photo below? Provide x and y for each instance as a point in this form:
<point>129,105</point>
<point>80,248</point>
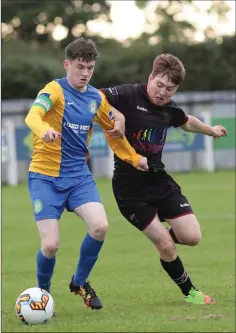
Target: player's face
<point>79,72</point>
<point>160,89</point>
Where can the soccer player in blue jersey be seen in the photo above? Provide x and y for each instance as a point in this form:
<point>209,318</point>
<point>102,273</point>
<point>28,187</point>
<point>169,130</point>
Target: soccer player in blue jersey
<point>61,119</point>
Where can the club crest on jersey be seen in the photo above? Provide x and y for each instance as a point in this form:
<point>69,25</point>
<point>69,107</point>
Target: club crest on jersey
<point>113,91</point>
<point>38,206</point>
<point>111,115</point>
<point>93,107</point>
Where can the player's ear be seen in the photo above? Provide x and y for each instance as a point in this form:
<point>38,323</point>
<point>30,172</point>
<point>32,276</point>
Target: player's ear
<point>66,64</point>
<point>150,78</point>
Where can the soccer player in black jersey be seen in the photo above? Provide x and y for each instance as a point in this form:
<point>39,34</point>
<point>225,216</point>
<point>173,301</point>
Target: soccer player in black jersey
<point>146,199</point>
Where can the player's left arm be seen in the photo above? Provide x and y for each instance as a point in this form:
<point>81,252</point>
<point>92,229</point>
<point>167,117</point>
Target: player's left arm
<point>195,125</point>
<point>118,130</point>
<point>112,95</point>
<point>35,119</point>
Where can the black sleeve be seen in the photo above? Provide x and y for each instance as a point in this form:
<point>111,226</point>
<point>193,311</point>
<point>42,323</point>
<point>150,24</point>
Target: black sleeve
<point>121,97</point>
<point>179,117</point>
<point>112,96</point>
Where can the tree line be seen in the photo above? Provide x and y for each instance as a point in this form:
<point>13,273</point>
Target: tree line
<point>31,59</point>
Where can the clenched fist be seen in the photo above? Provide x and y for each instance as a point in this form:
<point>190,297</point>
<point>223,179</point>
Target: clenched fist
<point>50,136</point>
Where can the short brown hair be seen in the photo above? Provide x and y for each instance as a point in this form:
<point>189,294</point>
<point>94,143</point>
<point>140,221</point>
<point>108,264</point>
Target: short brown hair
<point>167,64</point>
<point>81,48</point>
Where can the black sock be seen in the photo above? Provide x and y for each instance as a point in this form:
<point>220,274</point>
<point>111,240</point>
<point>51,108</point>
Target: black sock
<point>176,271</point>
<point>175,239</point>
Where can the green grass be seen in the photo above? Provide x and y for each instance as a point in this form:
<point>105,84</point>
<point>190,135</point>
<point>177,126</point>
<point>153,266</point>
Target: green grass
<point>137,294</point>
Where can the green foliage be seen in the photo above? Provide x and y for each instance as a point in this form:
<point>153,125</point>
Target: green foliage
<point>26,71</point>
<point>71,12</point>
<point>209,66</point>
<point>169,28</point>
<point>141,3</point>
<point>30,60</point>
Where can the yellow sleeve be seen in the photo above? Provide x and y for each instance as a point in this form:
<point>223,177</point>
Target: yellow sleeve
<point>87,142</point>
<point>121,146</point>
<point>45,100</point>
<point>104,116</point>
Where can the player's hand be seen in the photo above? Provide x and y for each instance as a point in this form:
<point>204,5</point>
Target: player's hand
<point>218,132</point>
<point>50,136</point>
<point>143,164</point>
<point>118,131</point>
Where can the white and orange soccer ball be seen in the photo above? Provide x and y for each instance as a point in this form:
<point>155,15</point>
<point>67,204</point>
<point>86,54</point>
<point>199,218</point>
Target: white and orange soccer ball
<point>34,306</point>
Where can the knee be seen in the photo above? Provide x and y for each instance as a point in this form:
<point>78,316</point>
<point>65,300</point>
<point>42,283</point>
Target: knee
<point>167,250</point>
<point>100,230</point>
<point>49,249</point>
<point>192,239</point>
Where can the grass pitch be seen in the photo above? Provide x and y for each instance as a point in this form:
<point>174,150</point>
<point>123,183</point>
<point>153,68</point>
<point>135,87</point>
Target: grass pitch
<point>137,294</point>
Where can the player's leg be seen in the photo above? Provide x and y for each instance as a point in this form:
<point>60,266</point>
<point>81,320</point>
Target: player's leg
<point>170,261</point>
<point>144,217</point>
<point>85,202</point>
<point>93,214</point>
<point>176,209</point>
<point>48,208</point>
<point>46,258</point>
<point>187,230</point>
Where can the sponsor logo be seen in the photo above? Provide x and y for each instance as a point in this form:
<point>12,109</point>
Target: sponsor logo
<point>72,126</point>
<point>76,128</point>
<point>70,103</point>
<point>184,205</point>
<point>141,108</point>
<point>149,140</point>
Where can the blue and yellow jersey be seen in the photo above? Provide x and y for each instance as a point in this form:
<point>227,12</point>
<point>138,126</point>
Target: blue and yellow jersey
<point>70,112</point>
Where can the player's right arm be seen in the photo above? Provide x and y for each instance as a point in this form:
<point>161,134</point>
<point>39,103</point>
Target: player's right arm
<point>120,146</point>
<point>35,118</point>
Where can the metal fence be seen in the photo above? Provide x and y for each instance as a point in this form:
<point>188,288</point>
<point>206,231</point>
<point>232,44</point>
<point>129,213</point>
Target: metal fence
<point>183,152</point>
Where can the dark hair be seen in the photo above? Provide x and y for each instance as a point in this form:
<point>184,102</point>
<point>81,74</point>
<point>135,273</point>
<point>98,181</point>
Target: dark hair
<point>167,64</point>
<point>81,48</point>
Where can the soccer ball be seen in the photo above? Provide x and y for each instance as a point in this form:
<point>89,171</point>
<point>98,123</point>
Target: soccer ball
<point>34,306</point>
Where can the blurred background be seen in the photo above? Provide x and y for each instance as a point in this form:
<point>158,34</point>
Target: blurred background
<point>129,35</point>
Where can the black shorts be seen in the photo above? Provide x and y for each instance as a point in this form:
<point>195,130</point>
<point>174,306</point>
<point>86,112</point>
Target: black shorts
<point>141,197</point>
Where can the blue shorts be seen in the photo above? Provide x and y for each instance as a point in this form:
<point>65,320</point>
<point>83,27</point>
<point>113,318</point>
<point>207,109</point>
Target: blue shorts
<point>51,195</point>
